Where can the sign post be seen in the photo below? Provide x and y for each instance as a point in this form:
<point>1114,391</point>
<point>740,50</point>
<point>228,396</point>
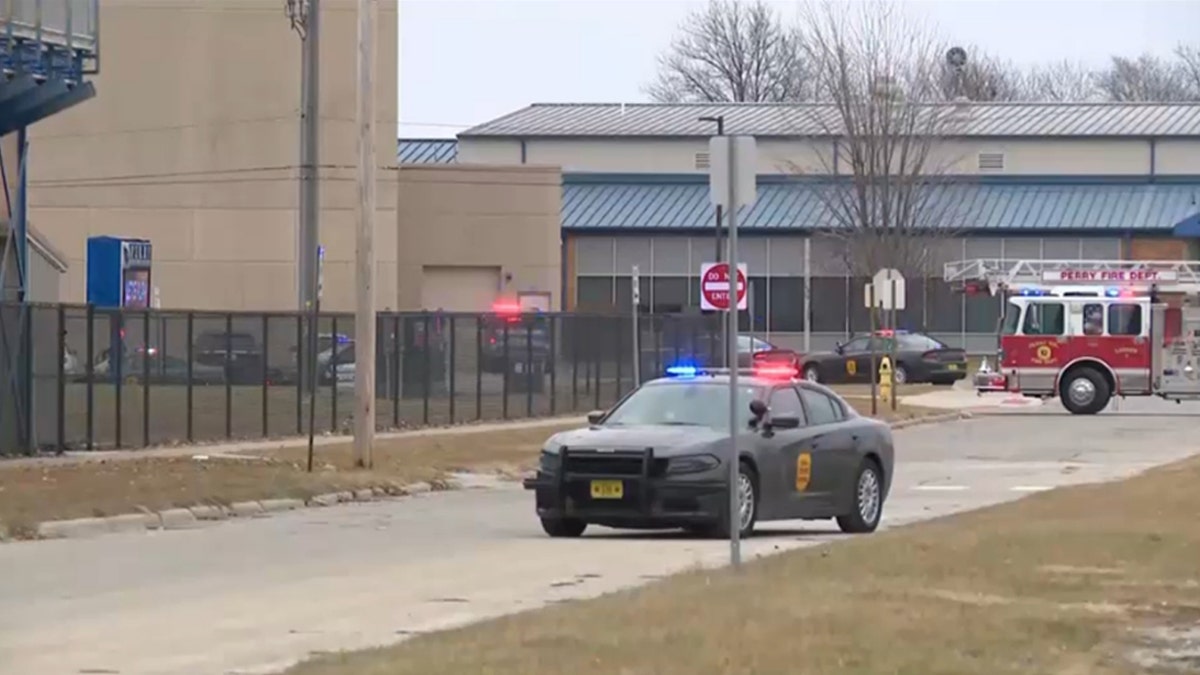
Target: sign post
<point>637,348</point>
<point>313,339</point>
<point>733,183</point>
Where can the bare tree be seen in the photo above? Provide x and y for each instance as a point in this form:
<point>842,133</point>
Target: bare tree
<point>1062,81</point>
<point>732,52</point>
<point>982,78</point>
<point>1189,67</point>
<point>886,196</point>
<point>1145,78</point>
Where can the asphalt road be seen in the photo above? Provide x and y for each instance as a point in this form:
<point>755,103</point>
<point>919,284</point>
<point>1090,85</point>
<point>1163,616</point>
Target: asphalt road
<point>253,596</point>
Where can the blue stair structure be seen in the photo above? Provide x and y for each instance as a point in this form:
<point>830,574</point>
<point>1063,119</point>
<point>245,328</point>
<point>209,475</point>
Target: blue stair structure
<point>48,48</point>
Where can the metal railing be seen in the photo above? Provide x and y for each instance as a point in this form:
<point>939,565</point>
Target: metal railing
<point>111,379</point>
<point>69,25</point>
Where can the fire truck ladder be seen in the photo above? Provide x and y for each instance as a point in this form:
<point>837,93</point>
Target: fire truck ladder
<point>1170,276</point>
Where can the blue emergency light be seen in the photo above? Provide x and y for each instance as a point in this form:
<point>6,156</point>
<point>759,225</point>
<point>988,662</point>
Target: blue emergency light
<point>1112,292</point>
<point>682,371</point>
<point>1034,292</point>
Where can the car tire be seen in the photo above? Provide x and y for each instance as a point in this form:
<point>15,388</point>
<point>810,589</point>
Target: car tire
<point>943,382</point>
<point>1084,391</point>
<point>812,373</point>
<point>866,499</point>
<point>563,527</point>
<point>900,375</point>
<point>749,477</point>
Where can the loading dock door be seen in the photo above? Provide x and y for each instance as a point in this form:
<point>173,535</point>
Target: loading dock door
<point>459,288</point>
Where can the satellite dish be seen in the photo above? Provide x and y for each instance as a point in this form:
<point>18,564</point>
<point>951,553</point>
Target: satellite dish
<point>957,57</point>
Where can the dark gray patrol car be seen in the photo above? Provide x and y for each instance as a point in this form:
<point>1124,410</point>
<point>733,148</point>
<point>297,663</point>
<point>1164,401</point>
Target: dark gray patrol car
<point>658,460</point>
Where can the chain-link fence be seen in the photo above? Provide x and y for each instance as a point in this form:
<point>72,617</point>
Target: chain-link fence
<point>112,379</point>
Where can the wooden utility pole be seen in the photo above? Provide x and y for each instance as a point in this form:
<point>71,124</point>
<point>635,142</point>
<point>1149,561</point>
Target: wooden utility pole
<point>364,257</point>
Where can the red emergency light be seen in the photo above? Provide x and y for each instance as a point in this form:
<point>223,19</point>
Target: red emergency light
<point>511,311</point>
<point>775,371</point>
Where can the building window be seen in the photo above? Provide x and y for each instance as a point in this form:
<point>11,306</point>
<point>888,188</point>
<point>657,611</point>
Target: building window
<point>594,294</point>
<point>670,294</point>
<point>787,304</point>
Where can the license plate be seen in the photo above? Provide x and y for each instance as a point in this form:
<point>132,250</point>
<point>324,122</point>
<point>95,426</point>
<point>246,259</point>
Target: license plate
<point>953,366</point>
<point>608,489</point>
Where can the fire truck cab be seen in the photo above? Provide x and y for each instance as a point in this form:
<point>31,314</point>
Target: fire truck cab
<point>1086,331</point>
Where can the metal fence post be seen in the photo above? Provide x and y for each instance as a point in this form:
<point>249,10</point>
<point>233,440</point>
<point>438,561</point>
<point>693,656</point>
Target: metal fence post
<point>594,348</point>
<point>333,369</point>
<point>60,389</point>
<point>89,372</point>
<point>191,320</point>
<point>478,367</point>
<point>266,341</point>
<point>146,378</point>
<point>507,370</point>
<point>528,370</point>
<point>553,364</point>
<point>453,366</point>
<point>302,353</point>
<point>396,384</point>
<point>228,375</point>
<point>619,352</point>
<point>116,363</point>
<point>426,375</point>
<point>574,362</point>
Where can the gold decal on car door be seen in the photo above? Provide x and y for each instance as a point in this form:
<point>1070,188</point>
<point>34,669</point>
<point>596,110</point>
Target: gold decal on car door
<point>803,471</point>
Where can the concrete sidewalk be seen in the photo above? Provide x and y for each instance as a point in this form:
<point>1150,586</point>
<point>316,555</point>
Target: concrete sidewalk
<point>244,447</point>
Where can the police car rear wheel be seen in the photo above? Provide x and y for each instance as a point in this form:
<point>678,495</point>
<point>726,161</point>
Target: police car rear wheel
<point>563,527</point>
<point>812,373</point>
<point>900,375</point>
<point>867,501</point>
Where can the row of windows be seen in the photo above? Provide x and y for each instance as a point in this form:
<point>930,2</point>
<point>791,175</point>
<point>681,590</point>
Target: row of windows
<point>1050,318</point>
<point>777,304</point>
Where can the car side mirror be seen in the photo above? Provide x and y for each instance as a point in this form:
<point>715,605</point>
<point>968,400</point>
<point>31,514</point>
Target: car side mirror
<point>758,409</point>
<point>785,422</point>
<point>595,416</point>
<point>839,348</point>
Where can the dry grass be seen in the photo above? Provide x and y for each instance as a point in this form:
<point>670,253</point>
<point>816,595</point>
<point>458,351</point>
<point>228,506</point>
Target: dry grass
<point>33,493</point>
<point>1051,584</point>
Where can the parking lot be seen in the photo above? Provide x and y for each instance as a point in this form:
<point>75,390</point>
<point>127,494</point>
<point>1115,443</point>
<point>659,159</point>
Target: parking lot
<point>271,591</point>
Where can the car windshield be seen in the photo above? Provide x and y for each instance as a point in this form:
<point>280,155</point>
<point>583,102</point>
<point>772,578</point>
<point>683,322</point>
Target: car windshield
<point>919,342</point>
<point>1012,319</point>
<point>700,404</point>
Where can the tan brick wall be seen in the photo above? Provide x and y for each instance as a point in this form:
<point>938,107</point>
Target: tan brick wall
<point>1158,248</point>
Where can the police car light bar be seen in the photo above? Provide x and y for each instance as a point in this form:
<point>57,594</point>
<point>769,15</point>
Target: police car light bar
<point>763,370</point>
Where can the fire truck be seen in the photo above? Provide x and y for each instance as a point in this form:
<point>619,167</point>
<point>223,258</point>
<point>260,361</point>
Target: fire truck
<point>1088,330</point>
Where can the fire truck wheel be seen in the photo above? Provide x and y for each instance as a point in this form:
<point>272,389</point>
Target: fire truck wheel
<point>1084,391</point>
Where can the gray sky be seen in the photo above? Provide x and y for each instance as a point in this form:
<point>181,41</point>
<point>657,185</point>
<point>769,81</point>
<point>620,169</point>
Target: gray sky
<point>463,62</point>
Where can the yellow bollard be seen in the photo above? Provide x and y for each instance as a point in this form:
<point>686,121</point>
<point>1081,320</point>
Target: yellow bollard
<point>885,380</point>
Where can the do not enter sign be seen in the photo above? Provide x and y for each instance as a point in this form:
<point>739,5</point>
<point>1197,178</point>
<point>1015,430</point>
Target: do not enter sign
<point>714,286</point>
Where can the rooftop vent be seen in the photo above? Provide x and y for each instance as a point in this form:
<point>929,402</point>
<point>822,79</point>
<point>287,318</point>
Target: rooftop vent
<point>991,161</point>
<point>703,160</point>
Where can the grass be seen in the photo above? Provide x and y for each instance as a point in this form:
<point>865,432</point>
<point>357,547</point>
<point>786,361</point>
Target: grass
<point>38,492</point>
<point>31,493</point>
<point>1089,580</point>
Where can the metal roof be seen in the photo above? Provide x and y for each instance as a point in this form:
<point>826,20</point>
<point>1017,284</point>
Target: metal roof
<point>815,119</point>
<point>427,151</point>
<point>1054,207</point>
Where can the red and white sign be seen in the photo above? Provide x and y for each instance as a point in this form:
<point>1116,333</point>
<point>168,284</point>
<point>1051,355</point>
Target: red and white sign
<point>714,286</point>
<point>1110,276</point>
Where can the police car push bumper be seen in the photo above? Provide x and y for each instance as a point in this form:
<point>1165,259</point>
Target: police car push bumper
<point>580,488</point>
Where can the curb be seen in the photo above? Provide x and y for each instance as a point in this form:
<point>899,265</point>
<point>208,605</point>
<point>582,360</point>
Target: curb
<point>933,419</point>
<point>202,514</point>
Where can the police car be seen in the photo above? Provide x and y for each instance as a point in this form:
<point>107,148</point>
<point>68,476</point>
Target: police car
<point>659,458</point>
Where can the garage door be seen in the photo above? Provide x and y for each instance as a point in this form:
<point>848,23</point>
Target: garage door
<point>459,289</point>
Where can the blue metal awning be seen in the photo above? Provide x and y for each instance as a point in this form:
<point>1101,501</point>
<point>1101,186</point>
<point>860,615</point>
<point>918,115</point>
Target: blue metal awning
<point>1044,206</point>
